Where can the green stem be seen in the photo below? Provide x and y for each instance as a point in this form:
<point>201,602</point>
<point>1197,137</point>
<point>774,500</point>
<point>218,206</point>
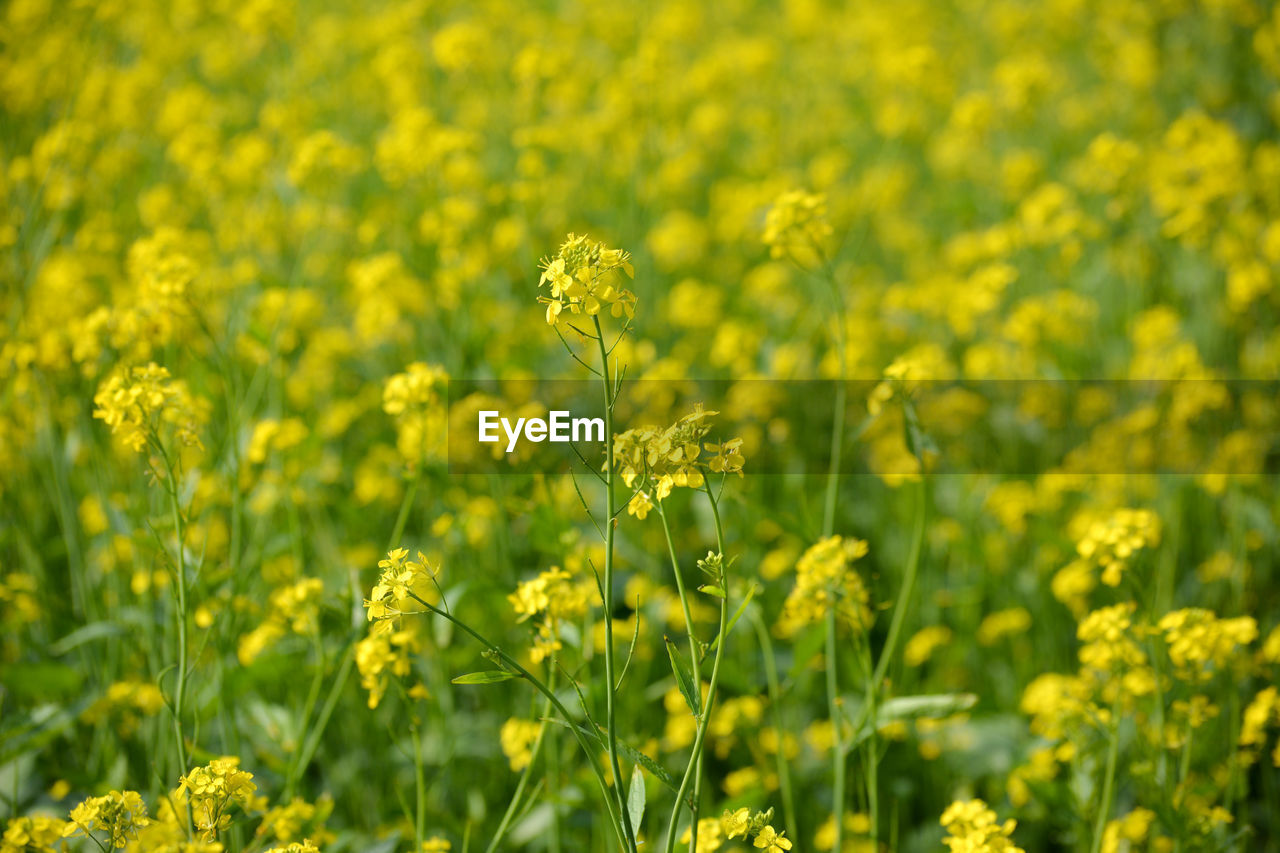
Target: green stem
<point>420,786</point>
<point>833,472</point>
<point>308,708</point>
<point>837,731</point>
<point>181,583</point>
<point>514,807</point>
<point>1108,781</point>
<point>694,768</point>
<point>610,686</point>
<point>551,697</point>
<point>775,702</point>
<point>693,654</point>
<point>908,586</point>
<point>873,758</point>
<point>403,517</point>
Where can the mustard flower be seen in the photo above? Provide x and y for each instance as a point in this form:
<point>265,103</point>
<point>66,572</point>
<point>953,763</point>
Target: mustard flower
<point>118,814</point>
<point>137,402</point>
<point>213,790</point>
<point>710,834</point>
<point>401,581</point>
<point>584,277</point>
<point>972,827</point>
<point>32,835</point>
<point>796,226</point>
<point>826,580</point>
<point>517,737</point>
<point>1112,542</point>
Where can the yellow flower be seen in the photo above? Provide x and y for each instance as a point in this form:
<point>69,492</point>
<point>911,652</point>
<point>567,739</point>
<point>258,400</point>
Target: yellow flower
<point>710,835</point>
<point>973,828</point>
<point>517,737</point>
<point>826,580</point>
<point>770,841</point>
<point>400,586</point>
<point>1200,643</point>
<point>212,790</point>
<point>137,403</point>
<point>34,834</point>
<point>735,823</point>
<point>796,227</point>
<point>584,277</point>
<point>118,814</point>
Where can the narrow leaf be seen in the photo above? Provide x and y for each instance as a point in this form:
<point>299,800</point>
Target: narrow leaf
<point>491,676</point>
<point>684,678</point>
<point>712,589</point>
<point>733,620</point>
<point>930,706</point>
<point>631,651</point>
<point>635,799</point>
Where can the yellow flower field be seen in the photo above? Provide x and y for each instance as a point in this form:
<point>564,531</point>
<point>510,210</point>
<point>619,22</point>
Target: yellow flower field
<point>918,364</point>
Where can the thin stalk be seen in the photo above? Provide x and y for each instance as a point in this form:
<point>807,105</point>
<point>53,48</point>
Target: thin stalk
<point>694,655</point>
<point>518,796</point>
<point>515,666</point>
<point>908,586</point>
<point>610,686</point>
<point>420,786</point>
<point>775,702</point>
<point>181,585</point>
<point>838,754</point>
<point>873,758</point>
<point>180,582</point>
<point>1108,780</point>
<point>837,448</point>
<point>1184,769</point>
<point>313,696</point>
<point>837,731</point>
<point>694,769</point>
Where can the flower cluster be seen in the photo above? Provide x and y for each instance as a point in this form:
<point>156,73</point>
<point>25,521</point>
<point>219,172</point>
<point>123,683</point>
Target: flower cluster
<point>1262,712</point>
<point>298,820</point>
<point>400,586</point>
<point>293,607</point>
<point>137,402</point>
<point>742,822</point>
<point>1111,543</point>
<point>37,834</point>
<point>415,399</point>
<point>826,581</point>
<point>584,276</point>
<point>386,652</point>
<point>1201,644</point>
<point>554,596</point>
<point>213,790</point>
<point>517,737</point>
<point>972,827</point>
<point>118,815</point>
<point>657,459</point>
<point>796,226</point>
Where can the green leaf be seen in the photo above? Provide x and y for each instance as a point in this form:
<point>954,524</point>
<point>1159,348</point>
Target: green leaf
<point>635,799</point>
<point>712,589</point>
<point>631,652</point>
<point>85,634</point>
<point>733,620</point>
<point>491,676</point>
<point>929,706</point>
<point>684,678</point>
